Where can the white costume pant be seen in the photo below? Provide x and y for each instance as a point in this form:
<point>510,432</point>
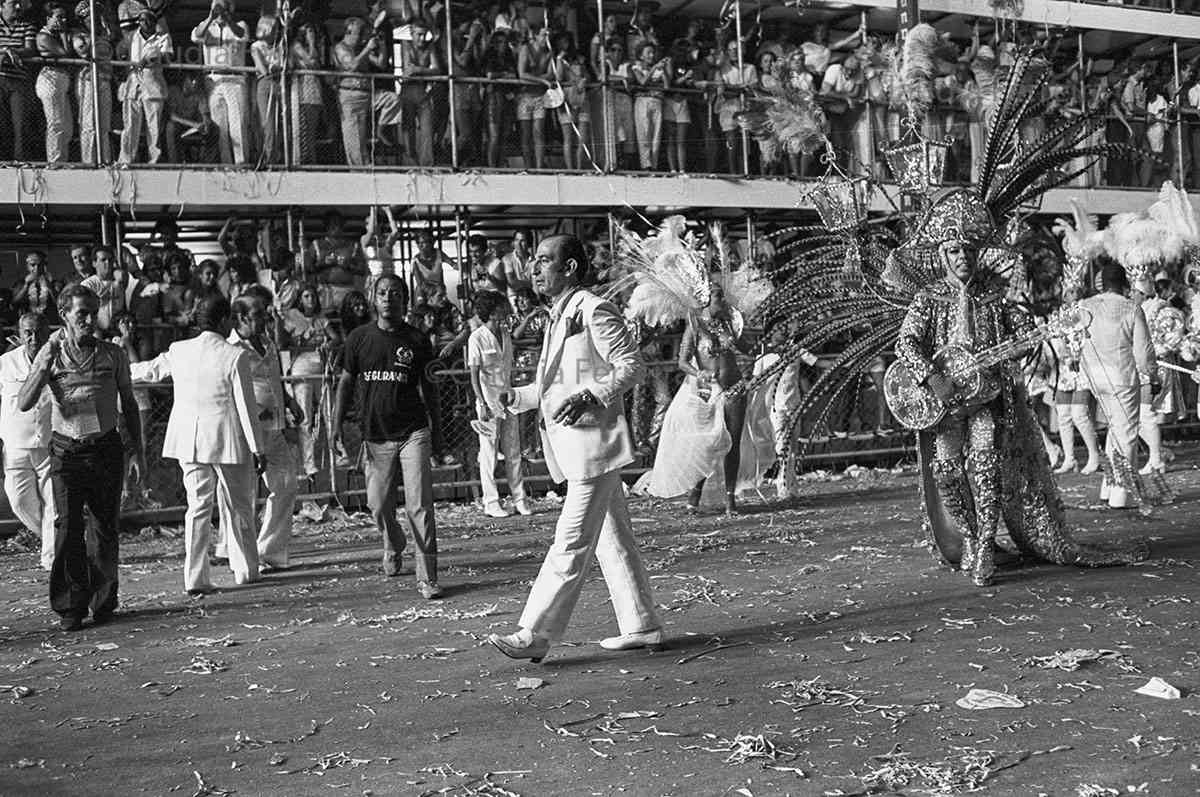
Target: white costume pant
<point>235,485</point>
<point>508,441</point>
<point>31,494</point>
<point>228,105</point>
<point>1121,406</point>
<point>283,485</point>
<point>594,522</point>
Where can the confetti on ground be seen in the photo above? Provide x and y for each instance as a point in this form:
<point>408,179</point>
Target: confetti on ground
<point>984,699</point>
<point>1070,660</point>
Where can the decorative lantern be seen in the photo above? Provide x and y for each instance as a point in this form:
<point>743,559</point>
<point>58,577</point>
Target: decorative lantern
<point>918,166</point>
<point>842,202</point>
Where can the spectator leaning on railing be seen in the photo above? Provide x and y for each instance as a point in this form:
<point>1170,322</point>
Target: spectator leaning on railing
<point>144,92</point>
<point>17,42</point>
<point>422,60</point>
<point>268,55</point>
<point>224,40</point>
<point>106,35</point>
<point>54,83</point>
<point>307,97</point>
<point>359,54</point>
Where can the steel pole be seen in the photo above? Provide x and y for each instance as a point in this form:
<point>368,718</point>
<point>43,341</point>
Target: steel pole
<point>450,74</point>
<point>610,150</point>
<point>1177,101</point>
<point>737,8</point>
<point>98,132</point>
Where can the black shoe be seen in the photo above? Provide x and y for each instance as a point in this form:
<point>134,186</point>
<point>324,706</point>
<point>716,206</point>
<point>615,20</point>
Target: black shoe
<point>267,569</point>
<point>104,617</point>
<point>70,622</point>
<point>218,561</point>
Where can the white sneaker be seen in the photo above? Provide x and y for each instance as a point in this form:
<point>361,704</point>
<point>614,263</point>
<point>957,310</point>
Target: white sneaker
<point>638,639</point>
<point>522,508</point>
<point>494,511</point>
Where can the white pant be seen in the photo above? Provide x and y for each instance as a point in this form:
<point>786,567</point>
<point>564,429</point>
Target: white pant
<point>647,121</point>
<point>594,521</point>
<point>1121,406</point>
<point>235,484</point>
<point>31,494</point>
<point>53,88</point>
<point>508,440</point>
<point>227,103</point>
<point>282,486</point>
<point>135,111</point>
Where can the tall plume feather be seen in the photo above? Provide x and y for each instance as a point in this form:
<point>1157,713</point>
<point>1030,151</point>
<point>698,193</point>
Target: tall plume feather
<point>917,70</point>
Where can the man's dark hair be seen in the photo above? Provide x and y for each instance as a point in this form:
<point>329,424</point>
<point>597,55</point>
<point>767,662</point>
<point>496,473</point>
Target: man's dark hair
<point>396,278</point>
<point>570,247</point>
<point>1113,277</point>
<point>488,302</point>
<point>211,312</point>
<point>255,294</point>
<point>165,222</point>
<point>478,241</point>
<point>67,298</point>
<point>108,250</point>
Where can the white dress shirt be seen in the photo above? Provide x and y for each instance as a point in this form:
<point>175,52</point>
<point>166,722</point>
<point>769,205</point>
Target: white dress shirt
<point>21,429</point>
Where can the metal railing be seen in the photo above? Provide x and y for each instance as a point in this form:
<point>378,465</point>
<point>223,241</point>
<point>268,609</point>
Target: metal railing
<point>301,118</point>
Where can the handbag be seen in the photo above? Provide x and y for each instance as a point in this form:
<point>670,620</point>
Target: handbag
<point>553,98</point>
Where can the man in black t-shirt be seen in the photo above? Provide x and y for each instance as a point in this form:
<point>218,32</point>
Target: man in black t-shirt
<point>384,364</point>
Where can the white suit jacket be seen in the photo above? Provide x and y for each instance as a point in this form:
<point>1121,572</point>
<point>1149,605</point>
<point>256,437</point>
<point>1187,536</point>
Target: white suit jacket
<point>1118,345</point>
<point>214,418</point>
<point>588,347</point>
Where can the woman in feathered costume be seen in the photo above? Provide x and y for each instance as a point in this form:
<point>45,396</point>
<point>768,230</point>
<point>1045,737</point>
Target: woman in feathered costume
<point>702,431</point>
<point>926,293</point>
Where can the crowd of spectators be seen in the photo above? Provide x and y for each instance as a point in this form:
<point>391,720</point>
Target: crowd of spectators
<point>528,91</point>
<point>149,295</point>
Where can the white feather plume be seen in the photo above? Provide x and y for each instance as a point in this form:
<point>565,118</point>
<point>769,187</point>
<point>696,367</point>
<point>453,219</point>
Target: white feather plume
<point>1174,210</point>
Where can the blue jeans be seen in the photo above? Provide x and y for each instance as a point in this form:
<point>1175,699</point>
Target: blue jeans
<point>384,462</point>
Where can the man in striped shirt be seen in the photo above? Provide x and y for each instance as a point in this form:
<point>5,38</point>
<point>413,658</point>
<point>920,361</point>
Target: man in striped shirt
<point>17,41</point>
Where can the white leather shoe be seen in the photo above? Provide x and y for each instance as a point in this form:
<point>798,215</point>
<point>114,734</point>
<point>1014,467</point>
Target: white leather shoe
<point>1118,498</point>
<point>522,508</point>
<point>1105,489</point>
<point>495,511</point>
<point>640,639</point>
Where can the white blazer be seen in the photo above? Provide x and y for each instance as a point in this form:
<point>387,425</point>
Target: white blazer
<point>214,418</point>
<point>590,348</point>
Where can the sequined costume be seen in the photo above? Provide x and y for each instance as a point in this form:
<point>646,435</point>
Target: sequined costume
<point>878,285</point>
<point>965,462</point>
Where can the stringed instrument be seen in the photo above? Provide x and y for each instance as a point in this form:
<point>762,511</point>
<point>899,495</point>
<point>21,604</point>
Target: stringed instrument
<point>916,406</point>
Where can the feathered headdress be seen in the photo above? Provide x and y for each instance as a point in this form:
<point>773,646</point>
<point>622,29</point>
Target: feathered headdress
<point>667,271</point>
<point>1141,244</point>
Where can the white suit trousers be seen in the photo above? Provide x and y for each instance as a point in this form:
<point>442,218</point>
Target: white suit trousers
<point>594,522</point>
<point>235,485</point>
<point>228,106</point>
<point>1122,407</point>
<point>282,486</point>
<point>507,440</point>
<point>31,494</point>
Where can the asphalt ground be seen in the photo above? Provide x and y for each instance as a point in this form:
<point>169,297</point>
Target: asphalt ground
<point>816,649</point>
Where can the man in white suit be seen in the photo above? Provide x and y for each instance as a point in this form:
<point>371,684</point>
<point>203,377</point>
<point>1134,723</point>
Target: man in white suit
<point>215,434</point>
<point>26,438</point>
<point>589,360</point>
<point>250,317</point>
